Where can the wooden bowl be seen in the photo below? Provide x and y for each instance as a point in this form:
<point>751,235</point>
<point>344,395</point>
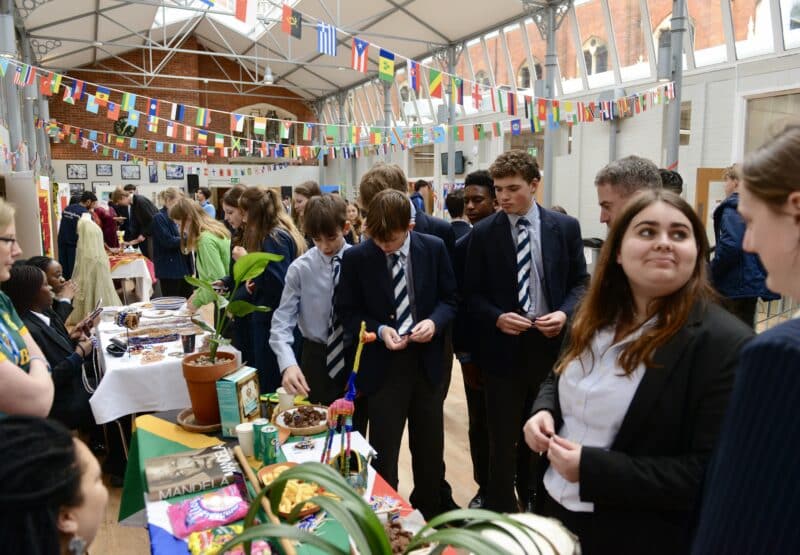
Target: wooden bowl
<point>277,419</point>
<point>187,421</point>
<point>262,473</point>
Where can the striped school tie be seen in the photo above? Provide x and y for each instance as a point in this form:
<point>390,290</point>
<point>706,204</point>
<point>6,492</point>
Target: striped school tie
<point>401,304</point>
<point>523,265</point>
<point>334,349</point>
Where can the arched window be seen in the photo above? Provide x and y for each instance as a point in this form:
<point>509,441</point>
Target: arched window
<point>483,78</point>
<point>524,77</point>
<point>595,54</point>
<point>404,94</point>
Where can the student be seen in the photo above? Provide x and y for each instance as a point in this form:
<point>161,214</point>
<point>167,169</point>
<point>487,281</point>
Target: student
<point>267,228</point>
<point>63,291</point>
<point>480,203</point>
<point>142,212</point>
<point>301,195</point>
<point>203,196</point>
<point>454,202</point>
<point>421,187</point>
<point>307,302</point>
<point>749,503</point>
<point>68,230</point>
<point>402,285</point>
<point>356,223</point>
<point>525,273</point>
<point>207,239</point>
<point>620,180</point>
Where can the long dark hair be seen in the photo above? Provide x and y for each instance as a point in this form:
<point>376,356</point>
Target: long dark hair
<point>23,286</point>
<point>39,474</point>
<point>231,198</point>
<point>610,302</point>
<point>265,215</point>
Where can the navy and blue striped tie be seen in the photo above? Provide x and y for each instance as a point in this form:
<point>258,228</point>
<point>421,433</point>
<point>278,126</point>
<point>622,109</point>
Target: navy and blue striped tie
<point>401,304</point>
<point>523,265</point>
<point>334,351</point>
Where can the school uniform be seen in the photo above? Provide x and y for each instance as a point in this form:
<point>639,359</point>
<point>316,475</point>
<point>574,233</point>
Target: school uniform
<point>514,365</point>
<point>68,237</point>
<point>307,302</point>
<point>407,384</point>
<point>170,264</point>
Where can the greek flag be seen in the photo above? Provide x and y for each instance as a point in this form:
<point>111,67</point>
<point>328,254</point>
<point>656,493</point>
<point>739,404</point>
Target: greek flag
<point>326,39</point>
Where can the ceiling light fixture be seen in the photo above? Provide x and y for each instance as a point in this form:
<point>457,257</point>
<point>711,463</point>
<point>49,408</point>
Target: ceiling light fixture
<point>269,78</point>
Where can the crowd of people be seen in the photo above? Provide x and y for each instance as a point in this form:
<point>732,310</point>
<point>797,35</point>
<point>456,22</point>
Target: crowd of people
<point>635,405</point>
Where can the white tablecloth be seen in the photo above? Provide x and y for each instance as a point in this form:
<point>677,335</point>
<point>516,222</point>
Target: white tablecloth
<point>137,271</point>
<point>130,387</point>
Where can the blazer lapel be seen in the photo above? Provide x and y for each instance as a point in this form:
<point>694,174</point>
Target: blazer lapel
<point>380,272</point>
<point>504,240</point>
<point>550,240</point>
<point>52,334</point>
<point>665,361</point>
<point>418,255</point>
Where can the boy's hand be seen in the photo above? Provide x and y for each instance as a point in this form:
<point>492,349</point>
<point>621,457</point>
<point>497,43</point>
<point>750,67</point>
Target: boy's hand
<point>423,331</point>
<point>294,381</point>
<point>513,324</point>
<point>551,324</point>
<point>392,340</point>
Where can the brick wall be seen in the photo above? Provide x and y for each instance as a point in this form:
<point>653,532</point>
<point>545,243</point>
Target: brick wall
<point>183,64</point>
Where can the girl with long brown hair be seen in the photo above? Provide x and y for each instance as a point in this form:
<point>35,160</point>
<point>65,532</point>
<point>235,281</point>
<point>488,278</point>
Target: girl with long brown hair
<point>631,412</point>
<point>266,228</point>
<point>300,197</point>
<point>207,239</point>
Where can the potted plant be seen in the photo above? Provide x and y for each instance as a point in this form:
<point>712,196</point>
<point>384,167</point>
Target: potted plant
<point>468,530</point>
<point>202,370</point>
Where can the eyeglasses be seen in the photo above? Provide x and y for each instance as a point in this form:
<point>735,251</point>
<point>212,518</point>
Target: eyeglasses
<point>10,240</point>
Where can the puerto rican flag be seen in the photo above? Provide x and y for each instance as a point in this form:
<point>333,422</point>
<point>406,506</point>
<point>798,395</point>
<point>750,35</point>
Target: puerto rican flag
<point>359,58</point>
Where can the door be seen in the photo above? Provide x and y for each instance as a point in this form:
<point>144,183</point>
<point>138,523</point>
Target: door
<point>710,191</point>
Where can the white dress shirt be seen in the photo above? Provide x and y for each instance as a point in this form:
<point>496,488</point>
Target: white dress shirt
<point>536,287</point>
<point>594,394</point>
<point>305,302</point>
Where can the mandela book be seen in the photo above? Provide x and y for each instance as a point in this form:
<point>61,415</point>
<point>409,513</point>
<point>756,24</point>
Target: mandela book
<point>190,472</point>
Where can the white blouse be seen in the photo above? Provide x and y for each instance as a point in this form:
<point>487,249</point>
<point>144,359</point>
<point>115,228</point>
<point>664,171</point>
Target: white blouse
<point>594,394</point>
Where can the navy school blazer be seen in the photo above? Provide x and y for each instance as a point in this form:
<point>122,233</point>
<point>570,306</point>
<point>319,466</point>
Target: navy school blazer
<point>365,293</point>
<point>490,279</point>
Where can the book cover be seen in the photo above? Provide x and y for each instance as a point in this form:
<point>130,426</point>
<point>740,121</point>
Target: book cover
<point>190,472</point>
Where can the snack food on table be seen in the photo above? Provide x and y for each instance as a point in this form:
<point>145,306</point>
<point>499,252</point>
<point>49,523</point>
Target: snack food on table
<point>209,542</point>
<point>213,508</point>
<point>303,417</point>
<point>295,491</point>
<point>398,537</point>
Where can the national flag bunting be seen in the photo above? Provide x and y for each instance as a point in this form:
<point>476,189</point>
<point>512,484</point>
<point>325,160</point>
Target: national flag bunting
<point>203,118</point>
<point>326,39</point>
<point>260,126</point>
<point>286,127</point>
<point>3,66</point>
<point>56,83</point>
<point>512,103</point>
<point>172,132</point>
<point>113,111</point>
<point>187,133</point>
<point>102,95</point>
<point>219,141</point>
<point>516,127</point>
<point>153,108</point>
<point>477,96</point>
<point>25,75</point>
<point>202,137</point>
<point>414,76</point>
<point>177,112</point>
<point>241,10</point>
<point>386,66</point>
<point>435,83</point>
<point>292,22</point>
<point>128,101</point>
<point>152,124</point>
<point>91,104</point>
<point>237,122</point>
<point>307,129</point>
<point>133,118</point>
<point>457,90</point>
<point>358,59</point>
<point>45,84</point>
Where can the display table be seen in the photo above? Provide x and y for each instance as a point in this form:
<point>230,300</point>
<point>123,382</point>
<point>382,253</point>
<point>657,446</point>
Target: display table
<point>156,435</point>
<point>130,387</point>
<point>135,267</point>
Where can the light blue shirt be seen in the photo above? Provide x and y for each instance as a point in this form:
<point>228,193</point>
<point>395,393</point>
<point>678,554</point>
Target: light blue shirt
<point>210,209</point>
<point>305,302</point>
<point>535,236</point>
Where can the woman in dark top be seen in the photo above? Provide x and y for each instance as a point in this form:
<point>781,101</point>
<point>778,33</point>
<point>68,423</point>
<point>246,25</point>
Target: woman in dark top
<point>66,354</point>
<point>170,264</point>
<point>750,502</point>
<point>267,228</point>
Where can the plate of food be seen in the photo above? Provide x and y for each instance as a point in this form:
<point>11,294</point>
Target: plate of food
<point>295,492</point>
<point>305,420</point>
<point>156,314</point>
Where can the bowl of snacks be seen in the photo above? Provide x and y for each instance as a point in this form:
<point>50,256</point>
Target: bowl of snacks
<point>296,491</point>
<point>305,420</point>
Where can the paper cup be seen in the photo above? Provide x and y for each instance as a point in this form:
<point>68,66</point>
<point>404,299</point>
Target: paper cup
<point>244,432</point>
<point>285,400</point>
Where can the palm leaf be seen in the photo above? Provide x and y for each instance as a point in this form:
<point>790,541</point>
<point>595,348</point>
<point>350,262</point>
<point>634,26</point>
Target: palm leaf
<point>470,540</point>
<point>252,265</point>
<point>269,531</point>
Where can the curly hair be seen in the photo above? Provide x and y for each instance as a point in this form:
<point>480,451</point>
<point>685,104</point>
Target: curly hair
<point>515,162</point>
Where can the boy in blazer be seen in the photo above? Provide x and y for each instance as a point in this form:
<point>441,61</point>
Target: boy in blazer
<point>401,284</point>
<point>525,272</point>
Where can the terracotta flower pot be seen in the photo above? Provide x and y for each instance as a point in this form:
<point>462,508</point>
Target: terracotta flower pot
<point>202,384</point>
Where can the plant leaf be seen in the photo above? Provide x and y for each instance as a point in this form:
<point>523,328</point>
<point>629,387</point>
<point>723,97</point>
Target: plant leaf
<point>470,540</point>
<point>243,308</point>
<point>201,284</point>
<point>479,519</point>
<point>282,531</point>
<point>252,265</point>
<point>201,324</point>
<point>343,516</point>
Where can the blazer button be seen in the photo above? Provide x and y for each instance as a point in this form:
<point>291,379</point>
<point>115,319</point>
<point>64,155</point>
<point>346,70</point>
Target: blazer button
<point>391,316</point>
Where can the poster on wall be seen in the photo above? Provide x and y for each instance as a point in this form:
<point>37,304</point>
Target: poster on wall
<point>152,172</point>
<point>131,172</point>
<point>96,184</point>
<point>104,170</point>
<point>174,171</point>
<point>76,188</point>
<point>44,215</point>
<point>77,171</point>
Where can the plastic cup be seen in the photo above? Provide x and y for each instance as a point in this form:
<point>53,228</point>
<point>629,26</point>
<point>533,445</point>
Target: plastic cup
<point>285,400</point>
<point>187,340</point>
<point>244,432</point>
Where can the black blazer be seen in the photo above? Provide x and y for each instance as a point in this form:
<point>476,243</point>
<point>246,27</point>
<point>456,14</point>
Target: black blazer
<point>365,293</point>
<point>430,225</point>
<point>644,487</point>
<point>490,278</point>
<point>70,404</point>
<point>460,228</point>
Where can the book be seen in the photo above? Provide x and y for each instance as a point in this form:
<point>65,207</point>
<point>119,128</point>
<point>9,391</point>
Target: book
<point>190,472</point>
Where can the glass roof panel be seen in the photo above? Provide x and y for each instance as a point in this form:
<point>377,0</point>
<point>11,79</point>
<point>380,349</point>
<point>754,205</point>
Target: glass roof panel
<point>790,16</point>
<point>660,15</point>
<point>594,43</point>
<point>752,27</point>
<point>705,27</point>
<point>567,58</point>
<point>626,18</point>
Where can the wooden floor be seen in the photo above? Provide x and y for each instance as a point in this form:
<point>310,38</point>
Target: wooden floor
<point>122,540</point>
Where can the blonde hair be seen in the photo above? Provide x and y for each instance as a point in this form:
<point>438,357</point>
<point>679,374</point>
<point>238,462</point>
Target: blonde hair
<point>6,214</point>
<point>194,221</point>
<point>169,194</point>
<point>118,194</point>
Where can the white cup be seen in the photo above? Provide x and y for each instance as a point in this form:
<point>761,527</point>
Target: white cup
<point>244,432</point>
<point>285,400</point>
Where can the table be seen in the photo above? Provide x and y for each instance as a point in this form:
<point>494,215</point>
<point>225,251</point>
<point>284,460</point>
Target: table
<point>130,387</point>
<point>136,270</point>
<point>157,435</point>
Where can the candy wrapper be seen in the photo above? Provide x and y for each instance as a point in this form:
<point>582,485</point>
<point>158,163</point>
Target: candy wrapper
<point>213,508</point>
<point>209,542</point>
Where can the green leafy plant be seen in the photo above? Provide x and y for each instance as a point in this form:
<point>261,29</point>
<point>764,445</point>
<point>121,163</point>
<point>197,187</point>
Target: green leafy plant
<point>248,267</point>
<point>473,530</point>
